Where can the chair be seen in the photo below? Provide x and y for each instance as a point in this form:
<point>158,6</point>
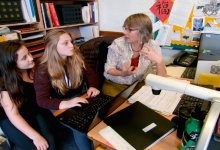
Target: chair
<point>95,53</point>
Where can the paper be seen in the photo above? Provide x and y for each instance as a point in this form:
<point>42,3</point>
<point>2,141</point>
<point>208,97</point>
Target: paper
<point>161,9</point>
<point>180,12</point>
<point>89,32</point>
<point>164,35</point>
<point>176,36</point>
<point>175,71</point>
<point>164,103</point>
<point>157,26</point>
<point>207,8</point>
<point>115,139</point>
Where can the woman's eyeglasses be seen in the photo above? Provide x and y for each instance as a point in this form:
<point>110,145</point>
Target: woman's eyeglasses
<point>129,29</point>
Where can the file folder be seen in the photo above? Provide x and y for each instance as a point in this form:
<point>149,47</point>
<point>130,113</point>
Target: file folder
<point>140,126</point>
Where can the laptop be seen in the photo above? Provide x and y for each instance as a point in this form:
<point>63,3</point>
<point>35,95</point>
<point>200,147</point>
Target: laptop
<point>86,117</point>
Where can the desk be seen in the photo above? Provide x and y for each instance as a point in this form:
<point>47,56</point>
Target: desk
<point>171,142</point>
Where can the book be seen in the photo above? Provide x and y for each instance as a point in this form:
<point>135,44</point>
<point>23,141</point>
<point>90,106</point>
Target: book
<point>45,16</point>
<point>33,36</point>
<point>25,13</point>
<point>53,15</point>
<point>34,42</point>
<point>36,48</point>
<point>30,9</point>
<point>48,14</point>
<point>139,126</point>
<point>9,37</point>
<point>86,14</point>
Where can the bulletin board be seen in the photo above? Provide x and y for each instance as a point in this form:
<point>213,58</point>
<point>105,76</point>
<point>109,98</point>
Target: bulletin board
<point>204,13</point>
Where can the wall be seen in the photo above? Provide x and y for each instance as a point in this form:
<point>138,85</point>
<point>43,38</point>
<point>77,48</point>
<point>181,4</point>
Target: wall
<point>112,13</point>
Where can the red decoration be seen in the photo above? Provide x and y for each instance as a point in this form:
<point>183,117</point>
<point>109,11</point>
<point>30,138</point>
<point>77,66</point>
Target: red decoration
<point>162,9</point>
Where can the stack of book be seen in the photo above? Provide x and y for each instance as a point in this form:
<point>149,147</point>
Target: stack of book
<point>49,15</point>
<point>7,35</point>
<point>29,10</point>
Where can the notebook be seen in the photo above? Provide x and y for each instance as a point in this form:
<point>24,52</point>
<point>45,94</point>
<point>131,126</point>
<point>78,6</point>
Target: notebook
<point>140,126</point>
<point>86,117</point>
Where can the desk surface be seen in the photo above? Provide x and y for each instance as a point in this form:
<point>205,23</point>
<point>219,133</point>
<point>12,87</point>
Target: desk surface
<point>171,142</point>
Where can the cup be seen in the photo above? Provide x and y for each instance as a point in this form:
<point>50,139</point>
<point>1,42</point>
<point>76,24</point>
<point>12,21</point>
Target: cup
<point>183,114</point>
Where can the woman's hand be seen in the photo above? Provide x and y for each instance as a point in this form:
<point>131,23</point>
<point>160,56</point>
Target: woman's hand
<point>40,143</point>
<point>92,92</point>
<point>129,71</point>
<point>72,103</point>
<point>152,55</point>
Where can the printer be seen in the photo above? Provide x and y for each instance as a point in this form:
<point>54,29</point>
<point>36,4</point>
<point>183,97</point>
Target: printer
<point>209,55</point>
<point>208,62</point>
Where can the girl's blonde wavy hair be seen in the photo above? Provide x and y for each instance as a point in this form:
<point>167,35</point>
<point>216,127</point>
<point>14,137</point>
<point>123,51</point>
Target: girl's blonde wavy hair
<point>72,67</point>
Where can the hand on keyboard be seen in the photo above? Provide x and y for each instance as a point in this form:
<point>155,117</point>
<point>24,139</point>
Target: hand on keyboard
<point>72,103</point>
<point>92,92</point>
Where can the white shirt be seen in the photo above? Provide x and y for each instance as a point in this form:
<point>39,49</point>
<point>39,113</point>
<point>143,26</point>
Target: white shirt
<point>119,56</point>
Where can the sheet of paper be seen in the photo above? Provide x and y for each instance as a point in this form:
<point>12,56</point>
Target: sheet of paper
<point>115,139</point>
<point>165,102</point>
<point>175,71</point>
<point>157,25</point>
<point>164,35</point>
<point>180,12</point>
<point>176,36</point>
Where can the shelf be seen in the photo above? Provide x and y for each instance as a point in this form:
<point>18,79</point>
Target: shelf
<point>32,33</point>
<point>35,56</point>
<point>72,25</point>
<point>18,24</point>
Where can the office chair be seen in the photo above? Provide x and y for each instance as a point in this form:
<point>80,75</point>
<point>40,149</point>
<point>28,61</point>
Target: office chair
<point>95,53</point>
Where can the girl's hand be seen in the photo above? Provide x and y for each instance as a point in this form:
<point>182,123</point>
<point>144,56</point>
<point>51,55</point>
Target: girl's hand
<point>72,103</point>
<point>92,92</point>
<point>40,143</point>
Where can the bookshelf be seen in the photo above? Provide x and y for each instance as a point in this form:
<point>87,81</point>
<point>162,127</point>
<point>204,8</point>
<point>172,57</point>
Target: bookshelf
<point>34,25</point>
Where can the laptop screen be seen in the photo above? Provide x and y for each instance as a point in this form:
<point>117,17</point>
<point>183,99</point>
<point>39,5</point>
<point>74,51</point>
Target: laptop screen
<point>118,100</point>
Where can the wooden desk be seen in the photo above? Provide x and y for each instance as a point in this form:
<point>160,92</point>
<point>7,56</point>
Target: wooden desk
<point>171,142</point>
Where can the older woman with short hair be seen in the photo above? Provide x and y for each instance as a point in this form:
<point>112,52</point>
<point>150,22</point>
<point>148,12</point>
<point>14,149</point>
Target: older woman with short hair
<point>130,57</point>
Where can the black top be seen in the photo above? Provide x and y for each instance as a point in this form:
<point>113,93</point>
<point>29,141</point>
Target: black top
<point>29,107</point>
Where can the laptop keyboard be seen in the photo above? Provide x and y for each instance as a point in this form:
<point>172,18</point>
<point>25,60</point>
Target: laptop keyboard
<point>189,73</point>
<point>193,102</point>
<point>80,118</point>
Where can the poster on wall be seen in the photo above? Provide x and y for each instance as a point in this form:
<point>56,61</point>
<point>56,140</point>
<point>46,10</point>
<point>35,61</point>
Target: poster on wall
<point>161,9</point>
<point>207,8</point>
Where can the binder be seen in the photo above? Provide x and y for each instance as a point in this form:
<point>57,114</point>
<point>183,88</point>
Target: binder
<point>140,126</point>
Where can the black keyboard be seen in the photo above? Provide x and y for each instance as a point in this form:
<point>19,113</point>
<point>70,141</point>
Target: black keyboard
<point>193,102</point>
<point>80,118</point>
<point>189,73</point>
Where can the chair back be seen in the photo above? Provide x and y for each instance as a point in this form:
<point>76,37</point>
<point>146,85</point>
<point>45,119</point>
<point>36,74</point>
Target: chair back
<point>95,53</point>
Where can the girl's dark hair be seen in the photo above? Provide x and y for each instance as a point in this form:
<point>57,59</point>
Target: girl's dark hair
<point>10,74</point>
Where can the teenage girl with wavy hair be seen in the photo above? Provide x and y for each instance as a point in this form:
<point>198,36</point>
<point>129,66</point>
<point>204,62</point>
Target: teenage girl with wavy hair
<point>20,117</point>
<point>60,78</point>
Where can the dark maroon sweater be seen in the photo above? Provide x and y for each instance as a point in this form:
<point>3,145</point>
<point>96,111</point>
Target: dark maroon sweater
<point>48,97</point>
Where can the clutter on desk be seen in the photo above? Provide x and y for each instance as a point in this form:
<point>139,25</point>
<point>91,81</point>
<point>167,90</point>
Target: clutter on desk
<point>164,103</point>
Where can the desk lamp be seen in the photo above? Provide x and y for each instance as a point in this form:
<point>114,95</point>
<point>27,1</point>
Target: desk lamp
<point>159,83</point>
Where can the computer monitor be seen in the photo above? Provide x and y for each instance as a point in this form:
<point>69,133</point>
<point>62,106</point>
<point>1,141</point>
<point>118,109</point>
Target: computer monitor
<point>209,41</point>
